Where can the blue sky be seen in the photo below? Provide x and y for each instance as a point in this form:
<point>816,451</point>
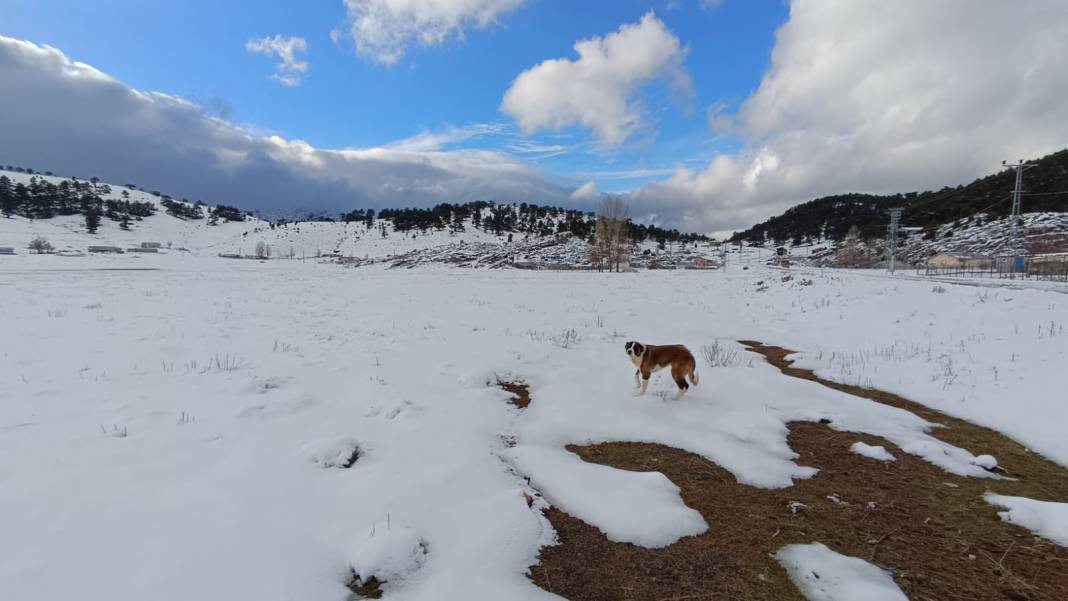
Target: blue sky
<point>706,115</point>
<point>196,49</point>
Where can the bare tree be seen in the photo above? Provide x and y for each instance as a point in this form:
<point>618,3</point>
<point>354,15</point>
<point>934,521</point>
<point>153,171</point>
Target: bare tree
<point>262,250</point>
<point>611,237</point>
<point>850,253</point>
<point>40,245</point>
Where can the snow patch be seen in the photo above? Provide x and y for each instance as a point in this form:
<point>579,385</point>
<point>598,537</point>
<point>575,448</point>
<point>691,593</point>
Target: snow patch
<point>1045,518</point>
<point>987,462</point>
<point>643,508</point>
<point>824,575</point>
<point>878,453</point>
<point>389,554</point>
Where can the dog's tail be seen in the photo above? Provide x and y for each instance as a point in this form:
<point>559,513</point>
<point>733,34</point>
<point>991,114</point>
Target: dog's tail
<point>694,376</point>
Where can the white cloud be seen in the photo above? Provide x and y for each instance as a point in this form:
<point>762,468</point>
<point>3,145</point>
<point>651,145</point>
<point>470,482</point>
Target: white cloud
<point>431,140</point>
<point>882,97</point>
<point>597,90</point>
<point>383,29</point>
<point>68,117</point>
<point>586,191</point>
<point>290,70</point>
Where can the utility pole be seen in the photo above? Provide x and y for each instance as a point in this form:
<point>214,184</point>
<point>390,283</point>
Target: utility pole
<point>1020,167</point>
<point>891,235</point>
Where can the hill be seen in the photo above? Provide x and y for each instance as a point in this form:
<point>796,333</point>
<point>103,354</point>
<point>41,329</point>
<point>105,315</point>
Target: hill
<point>830,217</point>
<point>73,214</point>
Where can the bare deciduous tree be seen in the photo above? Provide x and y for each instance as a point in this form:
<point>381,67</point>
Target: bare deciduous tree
<point>262,250</point>
<point>611,237</point>
<point>850,253</point>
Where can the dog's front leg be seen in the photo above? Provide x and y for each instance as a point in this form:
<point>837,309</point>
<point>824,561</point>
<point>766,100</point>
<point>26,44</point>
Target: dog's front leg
<point>637,378</point>
<point>644,385</point>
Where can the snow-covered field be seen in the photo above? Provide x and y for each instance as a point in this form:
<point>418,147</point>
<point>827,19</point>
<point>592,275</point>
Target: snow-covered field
<point>181,431</point>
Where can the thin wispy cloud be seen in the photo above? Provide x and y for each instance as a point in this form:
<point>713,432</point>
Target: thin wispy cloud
<point>290,70</point>
<point>451,136</point>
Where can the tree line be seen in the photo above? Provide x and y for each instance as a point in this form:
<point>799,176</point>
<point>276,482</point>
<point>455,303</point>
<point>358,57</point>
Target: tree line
<point>500,219</point>
<point>43,199</point>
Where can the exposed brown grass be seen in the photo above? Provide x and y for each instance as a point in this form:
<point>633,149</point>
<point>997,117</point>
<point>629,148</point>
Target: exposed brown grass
<point>372,589</point>
<point>520,392</point>
<point>931,528</point>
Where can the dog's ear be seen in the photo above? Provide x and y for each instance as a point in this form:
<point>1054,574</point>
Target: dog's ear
<point>639,348</point>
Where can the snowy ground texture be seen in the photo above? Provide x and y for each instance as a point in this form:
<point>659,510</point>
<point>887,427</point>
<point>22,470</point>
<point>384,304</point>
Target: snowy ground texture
<point>186,430</point>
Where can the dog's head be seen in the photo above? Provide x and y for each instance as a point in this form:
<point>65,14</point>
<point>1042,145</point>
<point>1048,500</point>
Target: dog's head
<point>634,349</point>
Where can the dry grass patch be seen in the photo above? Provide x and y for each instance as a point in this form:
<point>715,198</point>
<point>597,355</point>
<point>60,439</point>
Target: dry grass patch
<point>930,529</point>
<point>520,392</point>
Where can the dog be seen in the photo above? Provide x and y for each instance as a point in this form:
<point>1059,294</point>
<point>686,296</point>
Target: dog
<point>650,358</point>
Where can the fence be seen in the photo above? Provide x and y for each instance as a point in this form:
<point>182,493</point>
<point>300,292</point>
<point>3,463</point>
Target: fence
<point>1042,267</point>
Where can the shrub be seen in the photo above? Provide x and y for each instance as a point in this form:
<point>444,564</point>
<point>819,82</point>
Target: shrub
<point>40,245</point>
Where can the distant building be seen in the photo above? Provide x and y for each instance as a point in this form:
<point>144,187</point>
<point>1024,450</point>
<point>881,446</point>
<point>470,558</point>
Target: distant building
<point>106,249</point>
<point>6,250</point>
<point>143,249</point>
<point>151,245</point>
<point>959,261</point>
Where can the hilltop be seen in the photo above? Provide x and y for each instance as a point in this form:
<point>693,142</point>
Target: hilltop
<point>831,217</point>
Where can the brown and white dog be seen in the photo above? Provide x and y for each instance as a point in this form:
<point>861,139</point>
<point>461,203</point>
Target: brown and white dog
<point>649,358</point>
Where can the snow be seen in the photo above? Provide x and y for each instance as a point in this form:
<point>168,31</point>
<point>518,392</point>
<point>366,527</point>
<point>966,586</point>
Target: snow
<point>824,575</point>
<point>389,554</point>
<point>331,452</point>
<point>876,452</point>
<point>987,462</point>
<point>1047,519</point>
<point>643,508</point>
<point>242,387</point>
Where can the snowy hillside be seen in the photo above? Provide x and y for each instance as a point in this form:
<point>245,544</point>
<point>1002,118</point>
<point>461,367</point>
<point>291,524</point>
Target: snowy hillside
<point>982,235</point>
<point>525,236</point>
<point>68,232</point>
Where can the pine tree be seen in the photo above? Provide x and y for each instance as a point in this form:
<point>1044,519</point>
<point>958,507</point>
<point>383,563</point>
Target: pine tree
<point>92,212</point>
<point>8,202</point>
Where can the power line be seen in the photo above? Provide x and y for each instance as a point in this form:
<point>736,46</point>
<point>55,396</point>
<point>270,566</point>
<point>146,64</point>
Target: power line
<point>1043,193</point>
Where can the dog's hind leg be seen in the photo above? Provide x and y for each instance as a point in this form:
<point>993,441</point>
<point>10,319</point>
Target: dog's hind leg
<point>679,375</point>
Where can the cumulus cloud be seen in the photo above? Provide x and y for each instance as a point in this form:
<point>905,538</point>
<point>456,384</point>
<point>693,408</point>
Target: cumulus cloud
<point>290,70</point>
<point>586,191</point>
<point>881,97</point>
<point>67,117</point>
<point>383,29</point>
<point>597,90</point>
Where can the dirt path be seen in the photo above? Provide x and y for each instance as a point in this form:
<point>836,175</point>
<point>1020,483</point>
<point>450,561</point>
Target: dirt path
<point>931,529</point>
